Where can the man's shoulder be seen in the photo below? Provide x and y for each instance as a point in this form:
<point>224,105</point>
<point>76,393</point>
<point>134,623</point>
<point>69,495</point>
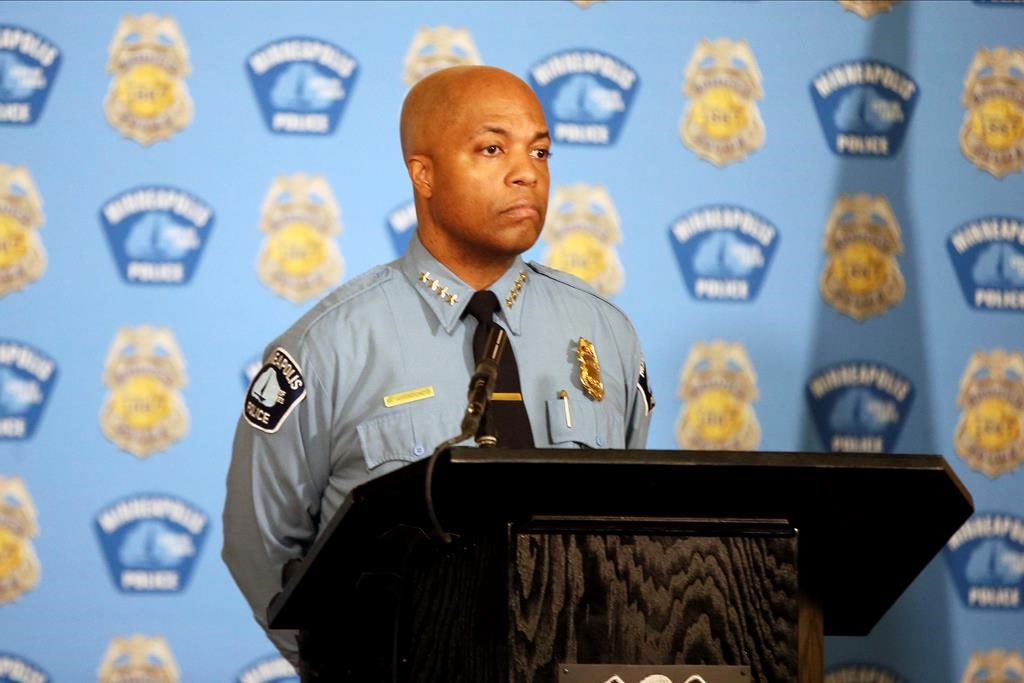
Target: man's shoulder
<point>571,285</point>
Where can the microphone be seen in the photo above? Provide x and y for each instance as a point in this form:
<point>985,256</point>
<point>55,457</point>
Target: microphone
<point>481,385</point>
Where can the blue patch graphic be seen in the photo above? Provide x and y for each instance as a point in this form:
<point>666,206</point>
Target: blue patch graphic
<point>864,107</point>
<point>301,84</point>
<point>988,257</point>
<point>28,67</point>
<point>861,672</point>
<point>986,560</point>
<point>723,252</point>
<point>1000,3</point>
<point>859,406</point>
<point>15,669</point>
<point>26,380</point>
<point>270,669</point>
<point>249,370</point>
<point>586,95</point>
<point>401,224</point>
<point>156,234</point>
<point>151,542</point>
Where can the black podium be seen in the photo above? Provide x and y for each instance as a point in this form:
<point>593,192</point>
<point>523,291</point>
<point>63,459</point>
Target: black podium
<point>586,557</point>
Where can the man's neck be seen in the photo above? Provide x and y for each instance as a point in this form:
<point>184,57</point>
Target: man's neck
<point>477,271</point>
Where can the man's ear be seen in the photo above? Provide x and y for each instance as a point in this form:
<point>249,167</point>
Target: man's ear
<point>421,172</point>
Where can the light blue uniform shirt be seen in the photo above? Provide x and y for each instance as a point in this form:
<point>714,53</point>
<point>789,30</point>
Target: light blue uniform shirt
<point>395,329</point>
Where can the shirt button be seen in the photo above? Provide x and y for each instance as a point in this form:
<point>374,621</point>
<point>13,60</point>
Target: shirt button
<point>419,450</point>
<point>600,441</point>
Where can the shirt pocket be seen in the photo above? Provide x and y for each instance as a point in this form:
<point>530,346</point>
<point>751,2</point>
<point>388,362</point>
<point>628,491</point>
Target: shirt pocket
<point>406,436</point>
<point>592,425</point>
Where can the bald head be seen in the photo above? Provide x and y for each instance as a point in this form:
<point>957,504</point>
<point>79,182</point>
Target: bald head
<point>436,101</point>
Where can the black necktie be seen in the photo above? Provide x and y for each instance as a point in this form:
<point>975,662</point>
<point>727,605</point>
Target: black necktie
<point>505,417</point>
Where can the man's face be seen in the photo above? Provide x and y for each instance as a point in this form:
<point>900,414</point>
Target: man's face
<point>490,181</point>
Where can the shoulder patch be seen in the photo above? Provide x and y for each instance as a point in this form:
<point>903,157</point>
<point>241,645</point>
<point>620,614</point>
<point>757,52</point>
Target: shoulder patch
<point>644,386</point>
<point>275,391</point>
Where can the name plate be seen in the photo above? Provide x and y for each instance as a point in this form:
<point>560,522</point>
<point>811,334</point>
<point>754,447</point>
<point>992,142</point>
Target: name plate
<point>648,673</point>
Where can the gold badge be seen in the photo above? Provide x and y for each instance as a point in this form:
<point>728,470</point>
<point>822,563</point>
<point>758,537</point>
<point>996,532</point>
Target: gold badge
<point>866,9</point>
<point>148,100</point>
<point>19,566</point>
<point>722,123</point>
<point>862,277</point>
<point>992,135</point>
<point>994,666</point>
<point>22,257</point>
<point>433,49</point>
<point>718,384</point>
<point>590,369</point>
<point>144,411</point>
<point>138,658</point>
<point>990,432</point>
<point>300,258</point>
<point>582,229</point>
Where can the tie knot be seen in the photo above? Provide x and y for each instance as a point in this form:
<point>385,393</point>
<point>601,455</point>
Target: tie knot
<point>482,306</point>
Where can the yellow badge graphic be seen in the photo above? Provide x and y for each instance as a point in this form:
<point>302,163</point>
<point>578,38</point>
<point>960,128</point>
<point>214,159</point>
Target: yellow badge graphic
<point>866,9</point>
<point>862,238</point>
<point>590,369</point>
<point>433,49</point>
<point>582,229</point>
<point>722,123</point>
<point>994,666</point>
<point>144,411</point>
<point>22,257</point>
<point>138,659</point>
<point>300,258</point>
<point>990,432</point>
<point>19,566</point>
<point>718,384</point>
<point>148,100</point>
<point>992,136</point>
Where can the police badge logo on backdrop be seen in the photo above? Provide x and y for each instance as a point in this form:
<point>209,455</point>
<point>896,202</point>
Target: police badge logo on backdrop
<point>586,95</point>
<point>138,657</point>
<point>148,100</point>
<point>22,257</point>
<point>27,376</point>
<point>862,277</point>
<point>301,84</point>
<point>144,411</point>
<point>986,560</point>
<point>151,542</point>
<point>272,669</point>
<point>722,123</point>
<point>17,669</point>
<point>994,666</point>
<point>718,385</point>
<point>582,229</point>
<point>401,223</point>
<point>866,9</point>
<point>156,234</point>
<point>28,66</point>
<point>864,107</point>
<point>19,565</point>
<point>723,252</point>
<point>988,257</point>
<point>299,258</point>
<point>992,135</point>
<point>859,406</point>
<point>990,432</point>
<point>440,47</point>
<point>862,673</point>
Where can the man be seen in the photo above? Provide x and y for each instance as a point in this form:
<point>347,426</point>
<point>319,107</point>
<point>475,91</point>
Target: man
<point>375,376</point>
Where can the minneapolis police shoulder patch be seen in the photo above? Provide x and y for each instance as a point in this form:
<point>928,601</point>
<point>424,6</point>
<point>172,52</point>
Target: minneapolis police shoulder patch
<point>859,406</point>
<point>723,252</point>
<point>988,256</point>
<point>28,65</point>
<point>151,542</point>
<point>861,673</point>
<point>16,669</point>
<point>864,107</point>
<point>401,224</point>
<point>26,380</point>
<point>586,95</point>
<point>301,84</point>
<point>270,669</point>
<point>986,559</point>
<point>275,391</point>
<point>156,234</point>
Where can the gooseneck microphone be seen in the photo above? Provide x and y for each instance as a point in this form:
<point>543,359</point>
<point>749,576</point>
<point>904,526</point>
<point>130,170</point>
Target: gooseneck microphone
<point>481,385</point>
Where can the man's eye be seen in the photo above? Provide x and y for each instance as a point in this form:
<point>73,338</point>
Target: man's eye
<point>491,149</point>
<point>542,153</point>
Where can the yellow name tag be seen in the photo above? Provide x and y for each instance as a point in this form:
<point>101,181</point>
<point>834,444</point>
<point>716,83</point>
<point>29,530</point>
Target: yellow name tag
<point>506,396</point>
<point>408,397</point>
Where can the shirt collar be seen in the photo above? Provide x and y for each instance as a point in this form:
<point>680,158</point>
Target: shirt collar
<point>447,296</point>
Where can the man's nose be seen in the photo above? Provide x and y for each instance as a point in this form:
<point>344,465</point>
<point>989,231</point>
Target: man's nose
<point>523,170</point>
